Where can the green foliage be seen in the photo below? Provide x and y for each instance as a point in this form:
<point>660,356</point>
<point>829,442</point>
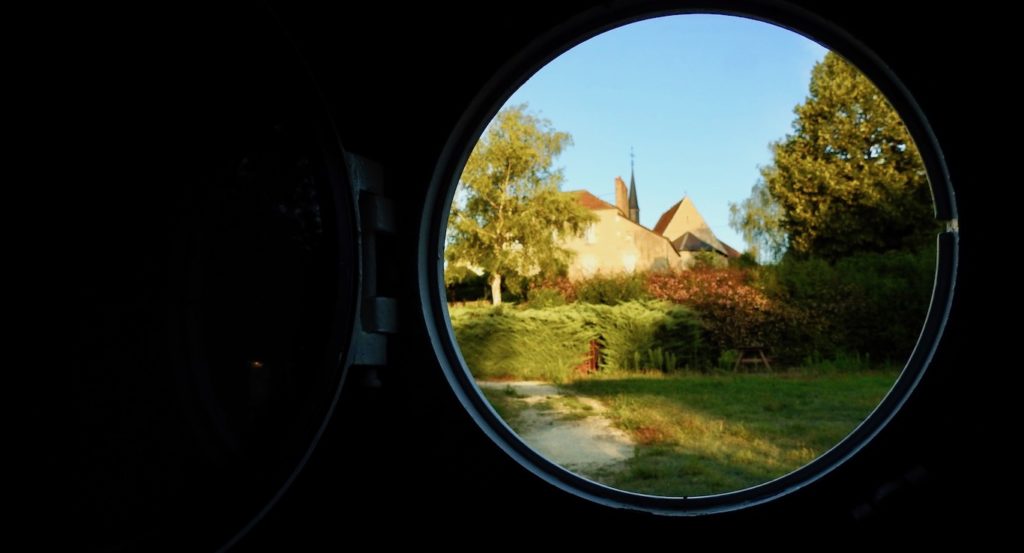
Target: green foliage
<point>848,179</point>
<point>727,359</point>
<point>548,344</point>
<point>510,216</point>
<point>863,310</point>
<point>889,296</point>
<point>841,362</point>
<point>733,311</point>
<point>540,298</point>
<point>708,260</point>
<point>759,219</point>
<point>559,283</point>
<point>746,260</point>
<point>467,287</point>
<point>657,359</point>
<point>868,304</point>
<point>612,289</point>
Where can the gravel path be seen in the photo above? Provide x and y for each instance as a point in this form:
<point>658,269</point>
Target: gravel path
<point>583,445</point>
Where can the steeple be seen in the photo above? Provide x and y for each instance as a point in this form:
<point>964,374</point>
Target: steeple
<point>634,204</point>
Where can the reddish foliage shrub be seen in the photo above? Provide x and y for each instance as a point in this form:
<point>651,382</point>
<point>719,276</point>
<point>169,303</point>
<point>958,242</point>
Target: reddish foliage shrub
<point>798,310</point>
<point>560,284</point>
<point>733,311</point>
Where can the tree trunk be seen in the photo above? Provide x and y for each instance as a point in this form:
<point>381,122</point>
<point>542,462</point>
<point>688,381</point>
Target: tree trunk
<point>495,289</point>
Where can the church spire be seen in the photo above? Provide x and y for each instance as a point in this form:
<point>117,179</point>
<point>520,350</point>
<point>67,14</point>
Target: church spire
<point>634,204</point>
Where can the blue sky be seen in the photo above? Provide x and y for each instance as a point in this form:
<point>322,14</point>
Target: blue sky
<point>697,97</point>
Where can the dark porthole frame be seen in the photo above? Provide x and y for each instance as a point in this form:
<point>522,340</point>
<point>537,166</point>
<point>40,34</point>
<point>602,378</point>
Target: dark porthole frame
<point>539,53</point>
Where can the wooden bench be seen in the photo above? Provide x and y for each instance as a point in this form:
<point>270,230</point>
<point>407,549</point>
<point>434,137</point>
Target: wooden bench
<point>751,354</point>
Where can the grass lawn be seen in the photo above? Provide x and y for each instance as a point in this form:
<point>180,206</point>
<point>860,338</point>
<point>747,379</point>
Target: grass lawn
<point>700,434</point>
<point>504,402</point>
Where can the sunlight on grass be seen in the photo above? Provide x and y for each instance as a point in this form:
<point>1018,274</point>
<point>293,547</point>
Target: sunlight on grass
<point>504,402</point>
<point>707,434</point>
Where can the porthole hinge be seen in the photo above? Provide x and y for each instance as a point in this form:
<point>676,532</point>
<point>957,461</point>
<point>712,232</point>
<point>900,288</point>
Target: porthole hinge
<point>377,315</point>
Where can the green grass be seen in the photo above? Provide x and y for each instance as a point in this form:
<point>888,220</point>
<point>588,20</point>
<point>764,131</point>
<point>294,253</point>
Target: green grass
<point>506,403</point>
<point>703,434</point>
<point>567,408</point>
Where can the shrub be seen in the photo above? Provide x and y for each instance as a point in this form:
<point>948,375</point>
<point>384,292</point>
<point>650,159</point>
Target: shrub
<point>655,359</point>
<point>540,298</point>
<point>864,307</point>
<point>638,335</point>
<point>888,301</point>
<point>550,343</point>
<point>560,284</point>
<point>861,309</point>
<point>870,304</point>
<point>612,289</point>
<point>708,260</point>
<point>733,312</point>
<point>727,359</point>
<point>464,286</point>
<point>746,260</point>
<point>469,287</point>
<point>841,362</point>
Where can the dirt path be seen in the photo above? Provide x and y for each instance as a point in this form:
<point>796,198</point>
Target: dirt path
<point>566,428</point>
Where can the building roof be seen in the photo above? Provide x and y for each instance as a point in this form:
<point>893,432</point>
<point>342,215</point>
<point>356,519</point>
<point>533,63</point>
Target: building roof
<point>696,234</point>
<point>690,242</point>
<point>700,238</point>
<point>634,202</point>
<point>666,218</point>
<point>590,201</point>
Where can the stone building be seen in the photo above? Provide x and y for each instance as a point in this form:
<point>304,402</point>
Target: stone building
<point>618,243</point>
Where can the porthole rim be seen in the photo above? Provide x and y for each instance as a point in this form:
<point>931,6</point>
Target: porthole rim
<point>537,54</point>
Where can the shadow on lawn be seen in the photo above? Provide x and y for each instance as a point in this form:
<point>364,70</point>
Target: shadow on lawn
<point>708,434</point>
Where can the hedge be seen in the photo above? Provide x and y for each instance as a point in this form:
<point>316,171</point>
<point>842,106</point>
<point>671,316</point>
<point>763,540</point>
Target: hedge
<point>549,343</point>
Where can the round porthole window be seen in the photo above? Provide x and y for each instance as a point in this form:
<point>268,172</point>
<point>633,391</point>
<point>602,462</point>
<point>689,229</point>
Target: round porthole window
<point>688,262</point>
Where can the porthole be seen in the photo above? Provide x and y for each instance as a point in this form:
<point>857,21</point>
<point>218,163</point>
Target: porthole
<point>622,385</point>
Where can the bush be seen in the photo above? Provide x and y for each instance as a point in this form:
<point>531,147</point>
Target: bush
<point>727,359</point>
<point>548,344</point>
<point>863,308</point>
<point>540,298</point>
<point>470,287</point>
<point>463,286</point>
<point>733,312</point>
<point>561,284</point>
<point>841,362</point>
<point>869,304</point>
<point>639,336</point>
<point>746,260</point>
<point>612,289</point>
<point>656,359</point>
<point>888,301</point>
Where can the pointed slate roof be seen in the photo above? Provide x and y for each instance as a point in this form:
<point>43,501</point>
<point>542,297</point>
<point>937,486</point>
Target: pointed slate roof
<point>634,203</point>
<point>689,242</point>
<point>688,231</point>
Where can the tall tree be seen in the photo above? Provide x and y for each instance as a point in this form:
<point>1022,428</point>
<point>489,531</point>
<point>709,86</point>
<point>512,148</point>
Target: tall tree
<point>759,219</point>
<point>848,179</point>
<point>510,216</point>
